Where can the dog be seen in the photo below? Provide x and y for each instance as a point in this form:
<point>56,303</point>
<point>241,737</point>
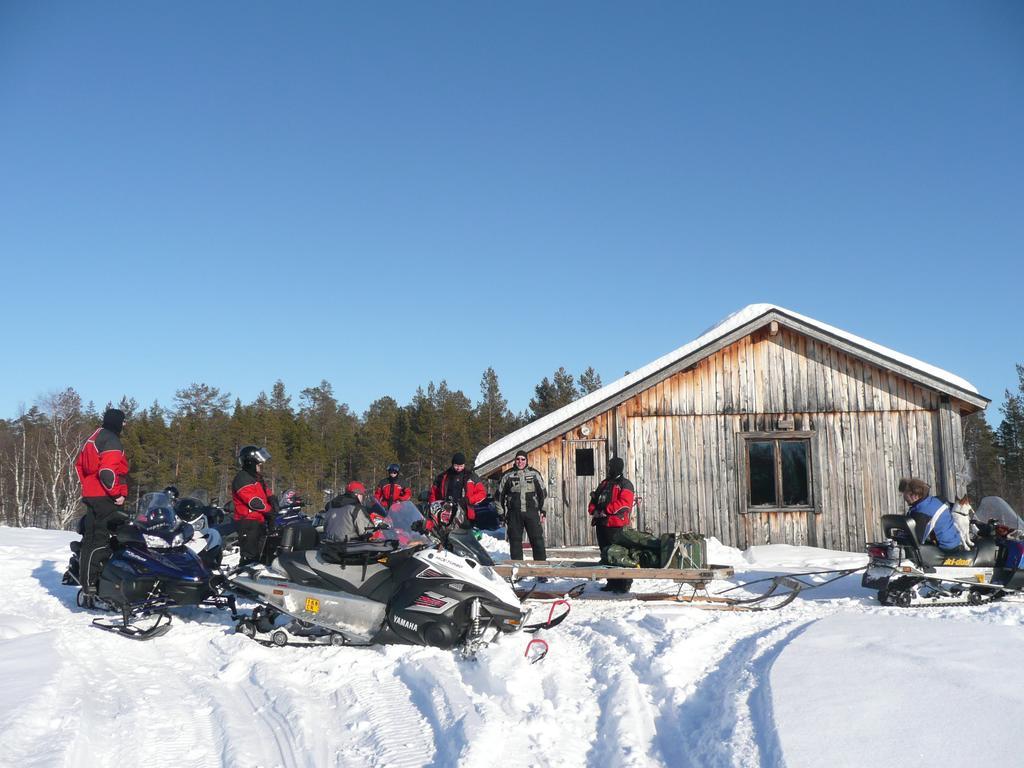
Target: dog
<point>963,514</point>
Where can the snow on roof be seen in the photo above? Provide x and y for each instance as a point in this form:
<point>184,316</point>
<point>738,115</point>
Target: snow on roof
<point>717,331</point>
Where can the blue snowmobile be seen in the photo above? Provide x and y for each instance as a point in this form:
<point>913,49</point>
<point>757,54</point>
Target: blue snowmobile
<point>152,571</point>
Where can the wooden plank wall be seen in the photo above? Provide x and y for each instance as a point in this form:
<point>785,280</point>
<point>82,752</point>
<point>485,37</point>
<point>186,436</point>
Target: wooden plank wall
<point>696,480</point>
<point>682,443</point>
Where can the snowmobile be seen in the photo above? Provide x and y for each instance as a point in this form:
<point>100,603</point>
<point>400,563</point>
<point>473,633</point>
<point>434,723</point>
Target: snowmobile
<point>152,571</point>
<point>395,587</point>
<point>907,571</point>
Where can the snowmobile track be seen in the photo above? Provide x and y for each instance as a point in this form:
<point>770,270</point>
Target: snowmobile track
<point>728,718</point>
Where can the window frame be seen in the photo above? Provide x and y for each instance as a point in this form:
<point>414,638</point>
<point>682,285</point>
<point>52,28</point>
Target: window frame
<point>777,437</point>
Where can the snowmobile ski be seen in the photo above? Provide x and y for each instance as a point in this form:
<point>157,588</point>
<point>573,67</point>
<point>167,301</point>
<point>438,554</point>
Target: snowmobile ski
<point>553,620</point>
<point>548,594</point>
<point>536,650</point>
<point>129,627</point>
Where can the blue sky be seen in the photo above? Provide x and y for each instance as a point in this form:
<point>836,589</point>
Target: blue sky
<point>382,195</point>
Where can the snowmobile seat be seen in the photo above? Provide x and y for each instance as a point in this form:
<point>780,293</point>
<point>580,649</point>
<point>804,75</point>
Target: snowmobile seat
<point>298,538</point>
<point>294,565</point>
<point>358,575</point>
<point>903,530</point>
<point>355,552</point>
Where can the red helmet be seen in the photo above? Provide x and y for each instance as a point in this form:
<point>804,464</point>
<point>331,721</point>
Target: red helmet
<point>355,487</point>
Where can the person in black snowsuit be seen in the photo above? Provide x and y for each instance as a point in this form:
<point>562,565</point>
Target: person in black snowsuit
<point>254,505</point>
<point>610,506</point>
<point>102,468</point>
<point>521,495</point>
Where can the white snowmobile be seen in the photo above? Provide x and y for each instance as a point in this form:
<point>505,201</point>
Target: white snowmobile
<point>397,588</point>
<point>909,572</point>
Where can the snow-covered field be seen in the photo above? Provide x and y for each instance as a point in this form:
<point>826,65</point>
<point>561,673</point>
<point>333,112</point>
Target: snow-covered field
<point>830,680</point>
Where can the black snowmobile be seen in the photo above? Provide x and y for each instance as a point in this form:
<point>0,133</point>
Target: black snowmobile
<point>907,571</point>
<point>152,571</point>
<point>394,588</point>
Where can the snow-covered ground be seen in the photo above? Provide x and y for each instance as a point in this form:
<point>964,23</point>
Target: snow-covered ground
<point>833,680</point>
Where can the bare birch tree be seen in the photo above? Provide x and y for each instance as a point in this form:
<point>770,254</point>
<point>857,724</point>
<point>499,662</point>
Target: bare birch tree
<point>64,434</point>
<point>25,478</point>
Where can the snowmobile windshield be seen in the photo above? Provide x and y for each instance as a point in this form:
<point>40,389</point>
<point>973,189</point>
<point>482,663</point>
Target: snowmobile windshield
<point>404,523</point>
<point>158,523</point>
<point>996,508</point>
<point>155,510</point>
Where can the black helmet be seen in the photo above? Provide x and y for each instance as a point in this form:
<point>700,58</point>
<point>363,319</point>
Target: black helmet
<point>172,491</point>
<point>394,469</point>
<point>251,455</point>
<point>188,509</point>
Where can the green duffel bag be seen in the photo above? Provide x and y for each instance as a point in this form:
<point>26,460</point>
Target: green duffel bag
<point>621,556</point>
<point>634,539</point>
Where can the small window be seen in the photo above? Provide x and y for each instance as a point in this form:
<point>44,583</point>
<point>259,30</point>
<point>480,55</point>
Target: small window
<point>778,473</point>
<point>584,462</point>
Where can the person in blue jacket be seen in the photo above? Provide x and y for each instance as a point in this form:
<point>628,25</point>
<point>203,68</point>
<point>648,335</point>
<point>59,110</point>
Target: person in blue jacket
<point>931,514</point>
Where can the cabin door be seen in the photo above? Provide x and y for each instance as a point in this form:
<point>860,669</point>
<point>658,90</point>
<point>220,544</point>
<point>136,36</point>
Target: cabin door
<point>585,463</point>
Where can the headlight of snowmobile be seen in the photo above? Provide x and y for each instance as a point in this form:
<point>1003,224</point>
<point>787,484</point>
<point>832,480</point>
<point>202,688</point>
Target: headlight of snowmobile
<point>155,542</point>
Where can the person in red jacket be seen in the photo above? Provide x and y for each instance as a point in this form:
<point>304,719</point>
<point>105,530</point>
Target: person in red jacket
<point>459,484</point>
<point>101,466</point>
<point>610,505</point>
<point>391,489</point>
<point>253,507</point>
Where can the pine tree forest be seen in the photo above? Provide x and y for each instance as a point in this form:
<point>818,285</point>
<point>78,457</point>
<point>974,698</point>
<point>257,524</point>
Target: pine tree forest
<point>317,443</point>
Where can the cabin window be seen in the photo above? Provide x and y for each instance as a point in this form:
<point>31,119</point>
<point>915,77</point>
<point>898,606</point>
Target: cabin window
<point>778,473</point>
<point>584,462</point>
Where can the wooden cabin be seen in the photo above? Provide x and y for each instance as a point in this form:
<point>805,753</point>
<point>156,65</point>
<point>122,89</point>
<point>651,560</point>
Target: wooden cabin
<point>771,427</point>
